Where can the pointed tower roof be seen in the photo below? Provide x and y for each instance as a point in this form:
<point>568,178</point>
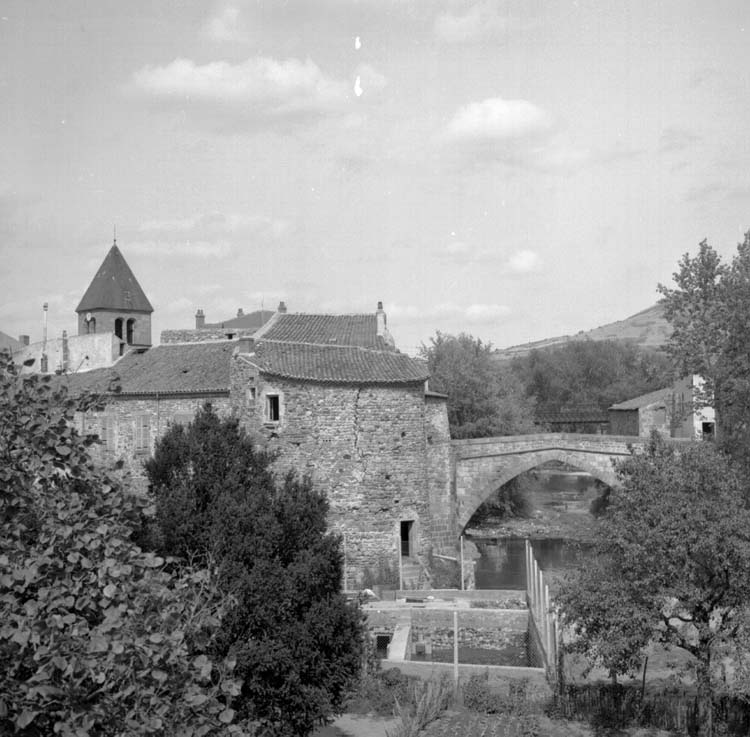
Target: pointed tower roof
<point>114,287</point>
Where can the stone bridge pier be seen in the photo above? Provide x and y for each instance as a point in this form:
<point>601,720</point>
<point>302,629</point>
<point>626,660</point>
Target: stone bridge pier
<point>483,465</point>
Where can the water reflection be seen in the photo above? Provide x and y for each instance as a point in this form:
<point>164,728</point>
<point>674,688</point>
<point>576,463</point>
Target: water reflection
<point>561,499</point>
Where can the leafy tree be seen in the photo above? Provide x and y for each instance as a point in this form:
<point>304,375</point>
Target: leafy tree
<point>298,643</point>
<point>97,637</point>
<point>484,398</point>
<point>590,374</point>
<point>671,562</point>
<point>709,310</point>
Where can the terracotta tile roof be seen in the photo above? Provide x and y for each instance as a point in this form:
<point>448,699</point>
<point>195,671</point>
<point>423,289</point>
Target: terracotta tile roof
<point>190,368</point>
<point>114,287</point>
<point>337,364</point>
<point>250,321</point>
<point>660,395</point>
<point>351,330</point>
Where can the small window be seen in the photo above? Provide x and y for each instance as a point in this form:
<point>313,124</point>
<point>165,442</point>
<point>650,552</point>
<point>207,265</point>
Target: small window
<point>251,394</point>
<point>273,413</point>
<point>707,430</point>
<point>118,327</point>
<point>142,440</point>
<point>130,331</point>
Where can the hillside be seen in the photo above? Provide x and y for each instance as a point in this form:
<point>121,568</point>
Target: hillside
<point>647,328</point>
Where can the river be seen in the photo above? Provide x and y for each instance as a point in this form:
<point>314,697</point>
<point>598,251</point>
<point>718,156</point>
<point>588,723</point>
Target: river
<point>558,522</point>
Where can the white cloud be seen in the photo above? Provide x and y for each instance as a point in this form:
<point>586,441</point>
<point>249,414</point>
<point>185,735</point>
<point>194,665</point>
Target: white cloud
<point>449,313</point>
<point>481,21</point>
<point>513,132</point>
<point>207,226</point>
<point>208,235</point>
<point>524,261</point>
<point>259,88</point>
<point>496,119</point>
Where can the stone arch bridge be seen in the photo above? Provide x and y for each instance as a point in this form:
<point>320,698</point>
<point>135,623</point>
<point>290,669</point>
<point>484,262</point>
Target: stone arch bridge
<point>483,465</point>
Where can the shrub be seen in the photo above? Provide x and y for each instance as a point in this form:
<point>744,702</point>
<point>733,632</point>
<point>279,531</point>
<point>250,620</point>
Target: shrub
<point>298,643</point>
<point>97,637</point>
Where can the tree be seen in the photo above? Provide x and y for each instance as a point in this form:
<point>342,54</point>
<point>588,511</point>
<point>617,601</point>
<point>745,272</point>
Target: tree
<point>297,642</point>
<point>97,637</point>
<point>590,374</point>
<point>671,562</point>
<point>484,398</point>
<point>709,310</point>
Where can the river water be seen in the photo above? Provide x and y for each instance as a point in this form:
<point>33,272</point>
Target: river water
<point>560,502</point>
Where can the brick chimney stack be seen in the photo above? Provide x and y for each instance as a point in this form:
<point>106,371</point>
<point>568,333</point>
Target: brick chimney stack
<point>281,308</point>
<point>200,320</point>
<point>240,312</point>
<point>381,320</point>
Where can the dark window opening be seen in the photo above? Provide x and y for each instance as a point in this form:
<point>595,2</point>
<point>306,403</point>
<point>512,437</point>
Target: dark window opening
<point>707,430</point>
<point>130,331</point>
<point>407,531</point>
<point>272,407</point>
<point>381,645</point>
<point>118,327</point>
<point>91,325</point>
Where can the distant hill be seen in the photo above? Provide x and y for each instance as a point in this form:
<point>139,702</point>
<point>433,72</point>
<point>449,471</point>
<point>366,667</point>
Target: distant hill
<point>647,328</point>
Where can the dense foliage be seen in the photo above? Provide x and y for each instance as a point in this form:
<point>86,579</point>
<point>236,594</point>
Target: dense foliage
<point>709,309</point>
<point>590,374</point>
<point>298,643</point>
<point>97,637</point>
<point>484,397</point>
<point>671,562</point>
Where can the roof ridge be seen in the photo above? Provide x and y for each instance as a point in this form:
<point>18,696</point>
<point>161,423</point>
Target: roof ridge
<point>330,345</point>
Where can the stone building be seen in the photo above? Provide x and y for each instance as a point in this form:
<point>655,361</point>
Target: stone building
<point>330,393</point>
<point>673,411</point>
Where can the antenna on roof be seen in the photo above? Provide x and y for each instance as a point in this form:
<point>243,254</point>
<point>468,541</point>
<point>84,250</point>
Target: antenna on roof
<point>114,228</point>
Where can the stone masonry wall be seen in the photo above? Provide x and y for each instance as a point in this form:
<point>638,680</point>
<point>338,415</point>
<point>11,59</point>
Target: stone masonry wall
<point>123,414</point>
<point>202,335</point>
<point>439,476</point>
<point>365,446</point>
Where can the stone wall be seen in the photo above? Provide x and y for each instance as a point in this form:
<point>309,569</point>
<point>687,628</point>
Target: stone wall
<point>202,335</point>
<point>130,426</point>
<point>483,465</point>
<point>364,446</point>
<point>439,477</point>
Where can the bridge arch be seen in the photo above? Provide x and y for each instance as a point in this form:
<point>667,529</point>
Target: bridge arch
<point>478,476</point>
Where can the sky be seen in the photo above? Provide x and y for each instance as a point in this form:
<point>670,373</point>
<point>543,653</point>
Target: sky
<point>514,170</point>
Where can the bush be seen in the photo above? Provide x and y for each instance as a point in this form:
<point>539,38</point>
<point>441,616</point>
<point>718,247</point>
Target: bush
<point>429,699</point>
<point>298,643</point>
<point>97,637</point>
<point>378,692</point>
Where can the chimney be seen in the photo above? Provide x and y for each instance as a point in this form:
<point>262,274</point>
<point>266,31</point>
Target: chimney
<point>240,312</point>
<point>245,345</point>
<point>381,320</point>
<point>23,339</point>
<point>200,320</point>
<point>65,351</point>
<point>281,308</point>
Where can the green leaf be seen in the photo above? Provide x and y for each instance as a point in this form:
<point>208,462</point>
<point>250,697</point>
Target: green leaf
<point>25,718</point>
<point>226,716</point>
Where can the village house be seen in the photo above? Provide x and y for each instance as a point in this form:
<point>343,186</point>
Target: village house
<point>330,393</point>
<point>674,412</point>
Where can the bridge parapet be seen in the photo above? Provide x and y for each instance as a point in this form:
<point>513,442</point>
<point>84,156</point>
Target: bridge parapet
<point>483,465</point>
<point>614,445</point>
